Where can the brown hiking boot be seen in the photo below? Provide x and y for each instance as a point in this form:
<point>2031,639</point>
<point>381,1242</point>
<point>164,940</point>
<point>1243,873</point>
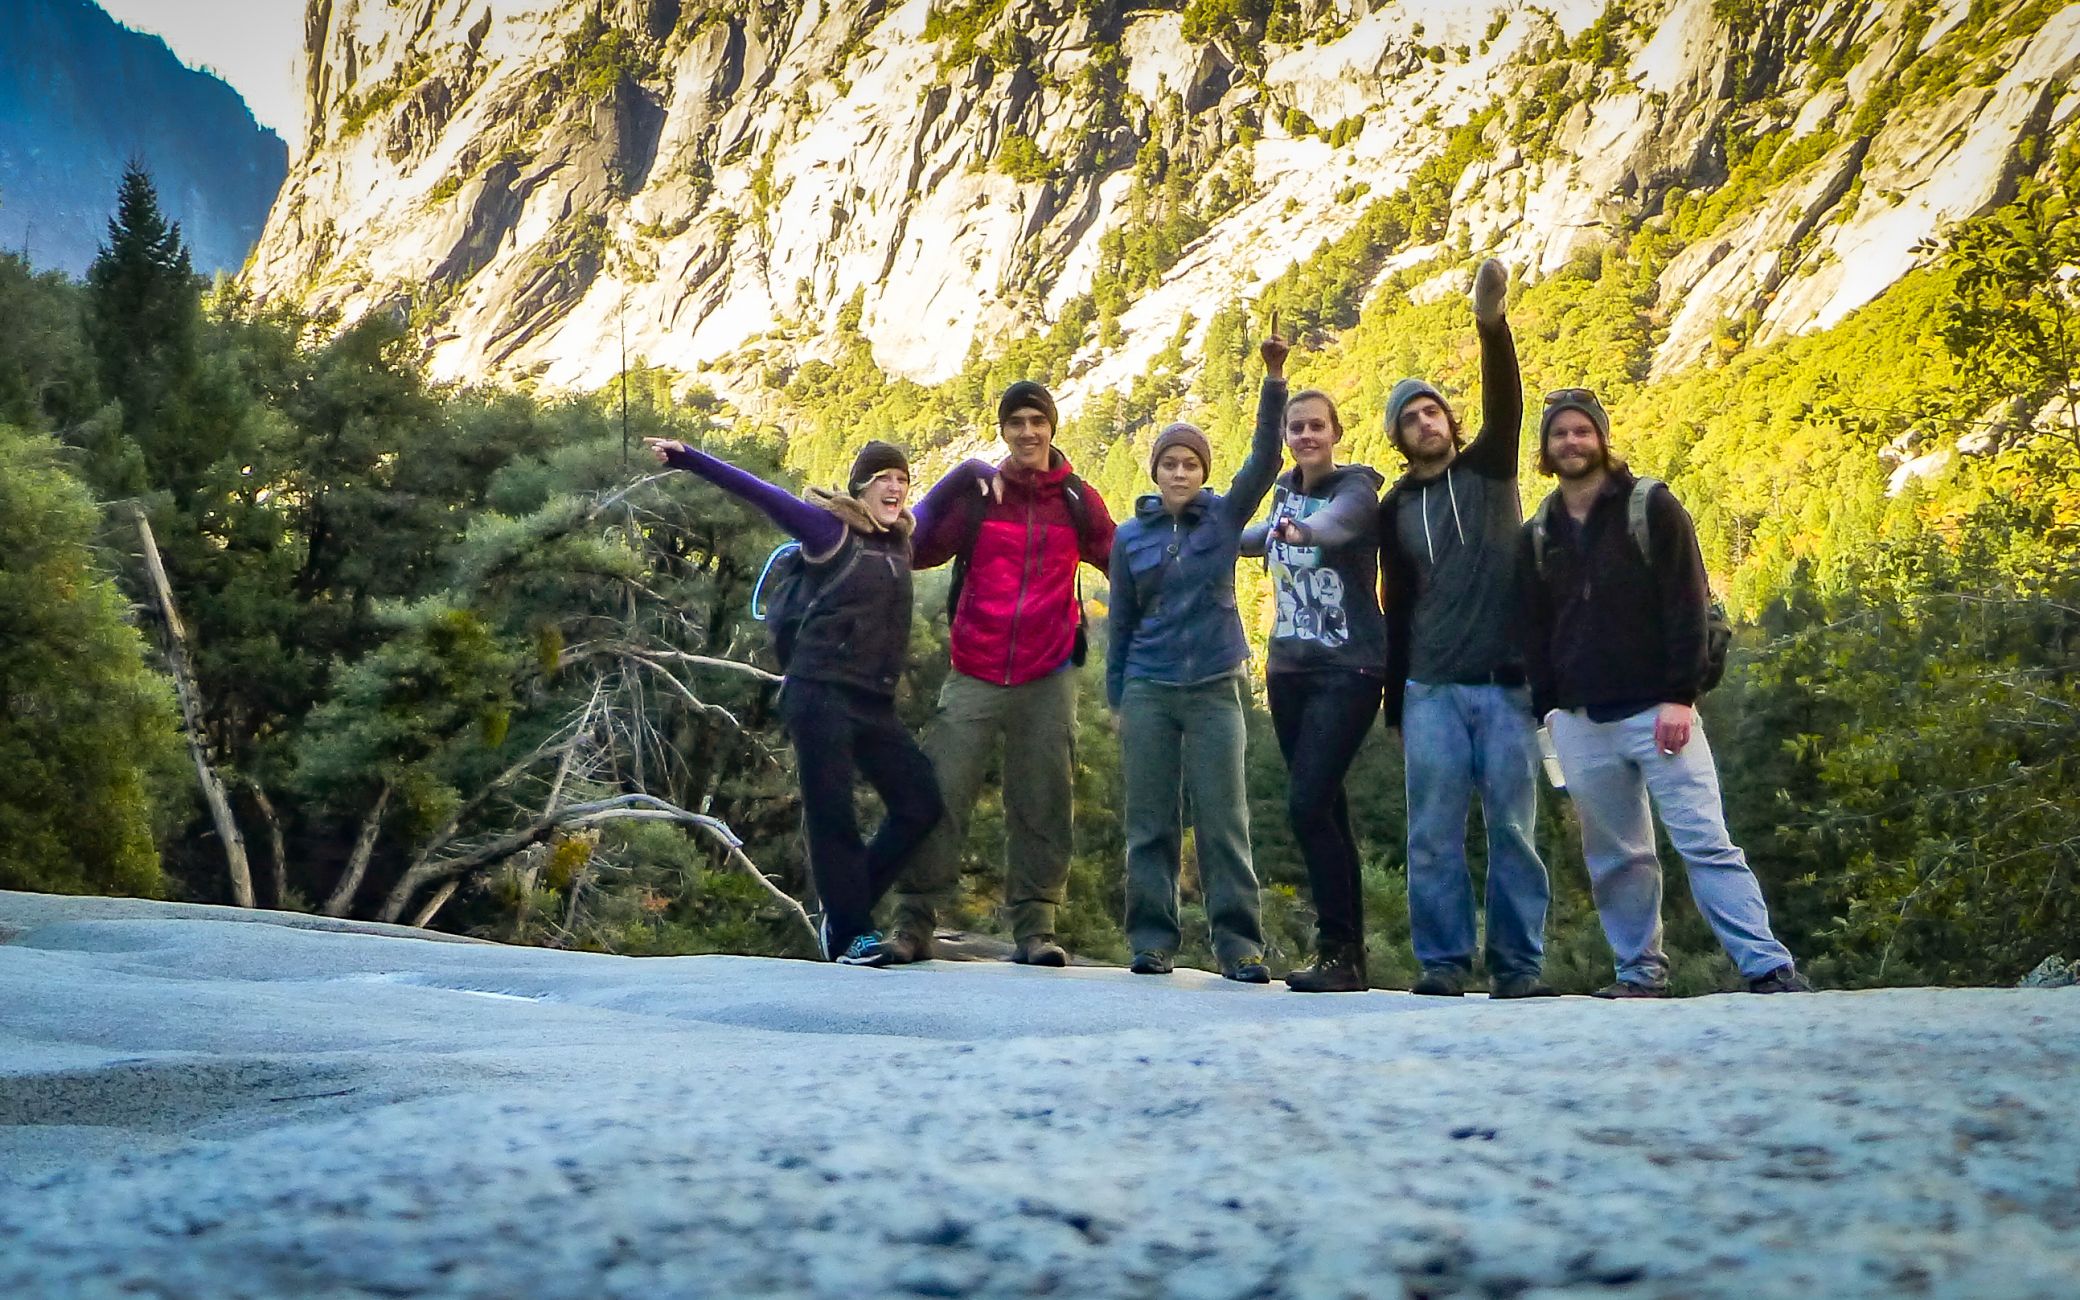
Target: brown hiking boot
<point>1628,989</point>
<point>907,946</point>
<point>1784,979</point>
<point>1335,970</point>
<point>1040,950</point>
<point>1440,982</point>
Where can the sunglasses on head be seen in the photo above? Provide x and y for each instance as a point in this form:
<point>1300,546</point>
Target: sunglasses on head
<point>1560,395</point>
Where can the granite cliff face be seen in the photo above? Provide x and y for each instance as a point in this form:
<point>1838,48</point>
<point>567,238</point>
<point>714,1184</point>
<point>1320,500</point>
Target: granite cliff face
<point>528,180</point>
<point>80,96</point>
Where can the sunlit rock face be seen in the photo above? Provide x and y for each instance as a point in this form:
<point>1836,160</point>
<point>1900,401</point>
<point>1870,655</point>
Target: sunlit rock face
<point>531,184</point>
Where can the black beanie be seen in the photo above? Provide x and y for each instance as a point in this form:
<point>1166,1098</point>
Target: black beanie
<point>873,458</point>
<point>1028,394</point>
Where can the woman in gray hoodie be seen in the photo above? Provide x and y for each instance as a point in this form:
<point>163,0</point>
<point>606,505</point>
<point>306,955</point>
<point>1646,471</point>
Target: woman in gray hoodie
<point>1327,667</point>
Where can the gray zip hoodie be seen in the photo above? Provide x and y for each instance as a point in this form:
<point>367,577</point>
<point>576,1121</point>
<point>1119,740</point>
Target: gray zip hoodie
<point>1448,548</point>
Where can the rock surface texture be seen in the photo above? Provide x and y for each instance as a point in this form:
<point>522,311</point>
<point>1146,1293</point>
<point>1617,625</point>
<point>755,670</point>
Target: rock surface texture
<point>527,181</point>
<point>194,1106</point>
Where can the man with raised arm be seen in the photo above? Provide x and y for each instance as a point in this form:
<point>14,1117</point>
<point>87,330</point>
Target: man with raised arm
<point>1455,677</point>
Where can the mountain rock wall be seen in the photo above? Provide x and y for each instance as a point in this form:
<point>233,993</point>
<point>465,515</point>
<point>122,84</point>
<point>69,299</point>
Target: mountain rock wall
<point>533,182</point>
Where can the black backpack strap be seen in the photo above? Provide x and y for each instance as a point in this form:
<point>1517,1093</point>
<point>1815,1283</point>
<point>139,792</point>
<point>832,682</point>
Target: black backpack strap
<point>1541,533</point>
<point>977,507</point>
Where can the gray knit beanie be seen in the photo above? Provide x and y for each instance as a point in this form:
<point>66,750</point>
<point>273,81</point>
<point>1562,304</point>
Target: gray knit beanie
<point>1408,390</point>
<point>1574,399</point>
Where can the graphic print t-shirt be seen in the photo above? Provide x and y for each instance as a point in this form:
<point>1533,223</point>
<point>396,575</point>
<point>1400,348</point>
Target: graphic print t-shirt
<point>1310,591</point>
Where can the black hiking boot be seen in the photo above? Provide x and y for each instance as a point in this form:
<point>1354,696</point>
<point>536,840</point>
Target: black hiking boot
<point>1629,989</point>
<point>1040,950</point>
<point>907,946</point>
<point>1335,970</point>
<point>1784,979</point>
<point>1151,962</point>
<point>1441,982</point>
<point>1248,970</point>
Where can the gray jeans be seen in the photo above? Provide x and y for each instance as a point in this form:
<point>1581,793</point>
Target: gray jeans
<point>1177,741</point>
<point>1613,769</point>
<point>1036,722</point>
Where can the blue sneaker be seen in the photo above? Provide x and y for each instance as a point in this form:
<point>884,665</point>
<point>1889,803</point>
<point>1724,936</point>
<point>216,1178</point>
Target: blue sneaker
<point>870,949</point>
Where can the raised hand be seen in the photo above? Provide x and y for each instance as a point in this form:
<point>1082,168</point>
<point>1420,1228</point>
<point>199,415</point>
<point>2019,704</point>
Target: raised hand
<point>662,448</point>
<point>1490,292</point>
<point>1274,350</point>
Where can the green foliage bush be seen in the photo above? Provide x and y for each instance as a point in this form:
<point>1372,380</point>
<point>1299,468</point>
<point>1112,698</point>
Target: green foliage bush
<point>87,728</point>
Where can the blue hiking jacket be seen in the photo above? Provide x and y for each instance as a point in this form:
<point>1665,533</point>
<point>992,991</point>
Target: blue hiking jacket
<point>1173,617</point>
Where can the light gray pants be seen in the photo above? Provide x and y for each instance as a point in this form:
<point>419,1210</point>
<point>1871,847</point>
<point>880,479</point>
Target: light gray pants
<point>1612,770</point>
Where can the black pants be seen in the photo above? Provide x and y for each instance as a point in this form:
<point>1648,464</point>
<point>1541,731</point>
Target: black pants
<point>839,733</point>
<point>1322,718</point>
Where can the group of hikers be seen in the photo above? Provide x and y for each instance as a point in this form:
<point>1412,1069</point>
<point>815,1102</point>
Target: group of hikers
<point>1436,604</point>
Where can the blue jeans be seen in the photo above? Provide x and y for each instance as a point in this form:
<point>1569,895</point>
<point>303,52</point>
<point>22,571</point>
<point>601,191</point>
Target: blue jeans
<point>1612,769</point>
<point>1455,740</point>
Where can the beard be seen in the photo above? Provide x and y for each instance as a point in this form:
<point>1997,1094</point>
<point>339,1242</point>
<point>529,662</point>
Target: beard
<point>1574,471</point>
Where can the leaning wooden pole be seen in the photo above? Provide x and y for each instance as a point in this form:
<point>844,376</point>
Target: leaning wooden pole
<point>213,792</point>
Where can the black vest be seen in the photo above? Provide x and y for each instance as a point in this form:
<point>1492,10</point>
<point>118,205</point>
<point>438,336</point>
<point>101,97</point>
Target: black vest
<point>857,632</point>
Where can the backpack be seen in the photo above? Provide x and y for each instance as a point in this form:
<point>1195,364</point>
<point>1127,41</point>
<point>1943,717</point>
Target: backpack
<point>977,507</point>
<point>795,592</point>
<point>1718,629</point>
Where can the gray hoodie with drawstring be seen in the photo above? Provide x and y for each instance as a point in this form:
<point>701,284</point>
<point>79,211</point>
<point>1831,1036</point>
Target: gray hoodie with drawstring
<point>1448,549</point>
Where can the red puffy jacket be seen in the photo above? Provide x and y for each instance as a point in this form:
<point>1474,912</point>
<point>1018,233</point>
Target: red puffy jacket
<point>1018,613</point>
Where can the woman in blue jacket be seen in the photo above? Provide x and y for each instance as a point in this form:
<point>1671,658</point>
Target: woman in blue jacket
<point>1174,677</point>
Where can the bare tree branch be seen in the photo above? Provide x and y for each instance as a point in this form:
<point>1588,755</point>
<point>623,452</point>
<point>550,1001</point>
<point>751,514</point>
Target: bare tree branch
<point>213,793</point>
<point>357,862</point>
<point>628,807</point>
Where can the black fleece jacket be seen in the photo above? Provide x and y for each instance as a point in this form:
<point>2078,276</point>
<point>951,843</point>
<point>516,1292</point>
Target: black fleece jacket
<point>1604,629</point>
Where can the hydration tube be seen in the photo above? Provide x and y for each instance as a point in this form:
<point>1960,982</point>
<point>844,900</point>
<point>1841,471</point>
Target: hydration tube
<point>758,608</point>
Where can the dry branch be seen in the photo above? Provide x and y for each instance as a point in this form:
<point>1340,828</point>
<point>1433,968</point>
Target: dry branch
<point>213,792</point>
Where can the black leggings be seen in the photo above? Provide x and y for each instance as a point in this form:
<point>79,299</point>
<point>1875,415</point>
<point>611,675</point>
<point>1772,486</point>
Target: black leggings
<point>1322,718</point>
<point>840,733</point>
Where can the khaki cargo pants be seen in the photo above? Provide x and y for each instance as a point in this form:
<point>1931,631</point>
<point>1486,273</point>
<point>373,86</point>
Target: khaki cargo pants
<point>1036,721</point>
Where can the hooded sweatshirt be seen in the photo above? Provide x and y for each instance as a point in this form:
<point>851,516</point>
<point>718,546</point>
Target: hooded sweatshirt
<point>1328,590</point>
<point>1448,549</point>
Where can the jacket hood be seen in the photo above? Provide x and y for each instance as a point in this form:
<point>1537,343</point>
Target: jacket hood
<point>1058,468</point>
<point>1290,480</point>
<point>855,515</point>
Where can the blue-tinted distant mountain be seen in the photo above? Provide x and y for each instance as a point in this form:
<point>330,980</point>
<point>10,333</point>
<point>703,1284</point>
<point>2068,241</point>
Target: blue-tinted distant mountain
<point>79,95</point>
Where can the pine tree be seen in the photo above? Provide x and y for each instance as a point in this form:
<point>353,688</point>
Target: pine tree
<point>142,314</point>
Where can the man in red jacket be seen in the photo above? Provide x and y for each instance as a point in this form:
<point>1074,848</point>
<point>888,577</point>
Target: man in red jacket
<point>1016,532</point>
